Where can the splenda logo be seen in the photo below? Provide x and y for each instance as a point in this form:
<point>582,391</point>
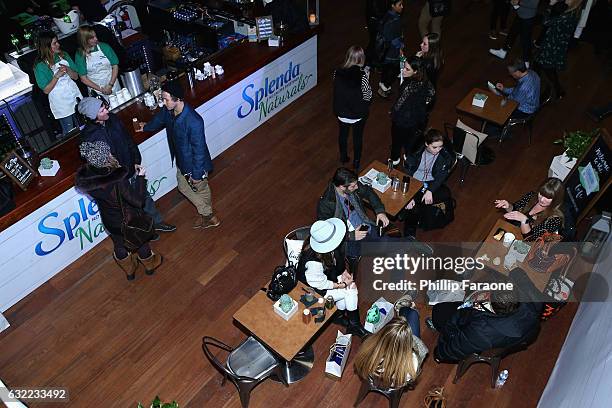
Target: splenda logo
<point>270,86</point>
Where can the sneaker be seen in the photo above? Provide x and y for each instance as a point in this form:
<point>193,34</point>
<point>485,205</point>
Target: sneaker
<point>527,64</point>
<point>430,325</point>
<point>396,162</point>
<point>493,35</point>
<point>210,221</point>
<point>155,237</point>
<point>499,53</point>
<point>163,227</point>
<point>503,32</point>
<point>384,94</point>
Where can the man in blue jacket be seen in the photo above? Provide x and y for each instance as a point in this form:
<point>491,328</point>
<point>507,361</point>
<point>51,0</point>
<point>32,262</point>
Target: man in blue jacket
<point>185,131</point>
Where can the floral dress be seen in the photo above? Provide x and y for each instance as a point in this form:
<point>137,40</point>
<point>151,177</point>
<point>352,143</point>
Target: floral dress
<point>560,28</point>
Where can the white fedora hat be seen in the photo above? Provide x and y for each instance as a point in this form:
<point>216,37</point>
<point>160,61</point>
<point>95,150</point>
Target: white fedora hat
<point>325,236</point>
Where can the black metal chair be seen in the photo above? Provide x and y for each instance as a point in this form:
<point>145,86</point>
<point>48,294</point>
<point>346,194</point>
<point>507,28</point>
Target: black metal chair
<point>393,394</point>
<point>298,234</point>
<point>247,365</point>
<point>494,356</point>
<point>545,98</point>
<point>456,141</point>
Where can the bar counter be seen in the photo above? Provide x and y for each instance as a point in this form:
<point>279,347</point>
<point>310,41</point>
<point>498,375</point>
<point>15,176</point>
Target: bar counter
<point>238,62</point>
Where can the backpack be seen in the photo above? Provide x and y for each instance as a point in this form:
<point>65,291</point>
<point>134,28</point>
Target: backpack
<point>284,279</point>
<point>381,46</point>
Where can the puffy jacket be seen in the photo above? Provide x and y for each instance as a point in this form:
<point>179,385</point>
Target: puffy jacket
<point>120,141</point>
<point>351,100</point>
<point>186,139</point>
<point>440,169</point>
<point>394,37</point>
<point>410,109</point>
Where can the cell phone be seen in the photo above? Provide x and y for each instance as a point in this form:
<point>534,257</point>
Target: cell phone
<point>364,227</point>
<point>499,234</point>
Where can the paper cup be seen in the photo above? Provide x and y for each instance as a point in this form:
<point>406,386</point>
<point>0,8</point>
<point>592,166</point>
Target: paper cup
<point>509,260</point>
<point>508,239</point>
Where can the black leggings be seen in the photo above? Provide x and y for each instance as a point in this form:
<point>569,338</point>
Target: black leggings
<point>402,137</point>
<point>357,138</point>
<point>552,76</point>
<point>121,251</point>
<point>523,28</point>
<point>390,72</point>
<point>499,12</point>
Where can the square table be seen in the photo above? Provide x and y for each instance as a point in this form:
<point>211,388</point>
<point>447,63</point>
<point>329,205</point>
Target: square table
<point>286,338</point>
<point>394,201</point>
<point>493,248</point>
<point>493,111</point>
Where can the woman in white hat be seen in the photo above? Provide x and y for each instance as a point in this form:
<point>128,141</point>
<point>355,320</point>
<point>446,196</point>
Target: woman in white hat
<point>322,266</point>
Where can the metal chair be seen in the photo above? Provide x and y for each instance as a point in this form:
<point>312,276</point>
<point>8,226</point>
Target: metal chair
<point>247,365</point>
<point>457,146</point>
<point>545,98</point>
<point>393,394</point>
<point>494,356</point>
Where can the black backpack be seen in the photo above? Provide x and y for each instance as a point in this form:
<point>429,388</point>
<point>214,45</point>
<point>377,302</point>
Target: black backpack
<point>381,46</point>
<point>284,279</point>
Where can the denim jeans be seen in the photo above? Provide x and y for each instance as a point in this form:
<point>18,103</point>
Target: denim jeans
<point>412,316</point>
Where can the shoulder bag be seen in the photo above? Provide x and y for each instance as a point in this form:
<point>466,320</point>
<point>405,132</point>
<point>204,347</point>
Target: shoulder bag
<point>137,230</point>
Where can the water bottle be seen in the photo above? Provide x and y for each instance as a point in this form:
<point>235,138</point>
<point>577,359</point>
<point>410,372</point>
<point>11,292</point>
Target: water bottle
<point>501,379</point>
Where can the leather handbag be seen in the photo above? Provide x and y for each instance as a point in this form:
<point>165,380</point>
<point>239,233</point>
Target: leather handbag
<point>539,257</point>
<point>136,230</point>
<point>284,279</point>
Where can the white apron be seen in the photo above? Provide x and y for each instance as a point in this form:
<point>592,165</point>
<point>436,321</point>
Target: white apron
<point>100,70</point>
<point>62,98</point>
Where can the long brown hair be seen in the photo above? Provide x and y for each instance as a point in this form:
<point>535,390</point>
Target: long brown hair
<point>435,52</point>
<point>553,189</point>
<point>45,54</point>
<point>85,34</point>
<point>388,355</point>
<point>327,259</point>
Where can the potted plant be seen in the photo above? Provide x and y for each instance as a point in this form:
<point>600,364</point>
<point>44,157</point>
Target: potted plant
<point>577,142</point>
<point>156,403</point>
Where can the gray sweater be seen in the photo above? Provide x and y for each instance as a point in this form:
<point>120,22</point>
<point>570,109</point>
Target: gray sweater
<point>527,9</point>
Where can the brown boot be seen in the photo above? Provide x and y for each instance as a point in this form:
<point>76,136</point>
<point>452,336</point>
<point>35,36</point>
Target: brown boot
<point>206,221</point>
<point>151,263</point>
<point>129,264</point>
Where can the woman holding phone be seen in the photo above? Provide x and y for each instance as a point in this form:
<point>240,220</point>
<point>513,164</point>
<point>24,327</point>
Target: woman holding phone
<point>55,73</point>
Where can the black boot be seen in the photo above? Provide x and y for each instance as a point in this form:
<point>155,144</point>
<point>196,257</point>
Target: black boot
<point>340,318</point>
<point>354,324</point>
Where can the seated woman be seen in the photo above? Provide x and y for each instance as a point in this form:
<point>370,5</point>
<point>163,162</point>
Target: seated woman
<point>431,165</point>
<point>537,212</point>
<point>118,201</point>
<point>394,355</point>
<point>322,266</point>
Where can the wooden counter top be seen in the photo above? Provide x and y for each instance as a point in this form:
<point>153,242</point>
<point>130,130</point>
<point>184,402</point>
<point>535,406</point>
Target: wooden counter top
<point>238,61</point>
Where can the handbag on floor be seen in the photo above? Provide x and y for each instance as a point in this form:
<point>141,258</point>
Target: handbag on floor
<point>438,215</point>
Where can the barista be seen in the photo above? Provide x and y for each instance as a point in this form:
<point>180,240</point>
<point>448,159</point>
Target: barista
<point>55,73</point>
<point>96,63</point>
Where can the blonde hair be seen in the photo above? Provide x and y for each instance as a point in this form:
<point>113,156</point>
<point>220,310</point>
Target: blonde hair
<point>84,34</point>
<point>354,56</point>
<point>388,355</point>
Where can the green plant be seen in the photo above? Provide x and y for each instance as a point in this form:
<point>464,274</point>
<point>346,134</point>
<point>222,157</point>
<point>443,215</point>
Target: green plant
<point>577,142</point>
<point>156,403</point>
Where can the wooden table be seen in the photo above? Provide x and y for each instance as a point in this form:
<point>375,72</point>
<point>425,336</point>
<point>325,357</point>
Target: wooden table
<point>287,338</point>
<point>493,248</point>
<point>492,111</point>
<point>394,201</point>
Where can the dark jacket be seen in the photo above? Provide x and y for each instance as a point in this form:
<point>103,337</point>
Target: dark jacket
<point>440,170</point>
<point>393,34</point>
<point>329,207</point>
<point>186,139</point>
<point>472,331</point>
<point>332,272</point>
<point>120,141</point>
<point>410,109</point>
<point>349,98</point>
<point>104,185</point>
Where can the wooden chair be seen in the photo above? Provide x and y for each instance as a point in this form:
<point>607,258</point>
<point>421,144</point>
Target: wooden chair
<point>393,394</point>
<point>494,356</point>
<point>247,365</point>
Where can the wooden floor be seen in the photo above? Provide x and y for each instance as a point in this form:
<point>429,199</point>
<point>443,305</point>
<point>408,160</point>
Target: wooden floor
<point>114,342</point>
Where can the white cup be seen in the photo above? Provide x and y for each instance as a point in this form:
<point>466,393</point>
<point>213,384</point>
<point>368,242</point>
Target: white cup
<point>112,100</point>
<point>509,260</point>
<point>508,239</point>
<point>126,94</point>
<point>120,98</point>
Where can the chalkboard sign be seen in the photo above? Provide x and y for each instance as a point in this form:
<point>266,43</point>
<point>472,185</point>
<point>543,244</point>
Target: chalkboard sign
<point>590,177</point>
<point>17,169</point>
<point>265,27</point>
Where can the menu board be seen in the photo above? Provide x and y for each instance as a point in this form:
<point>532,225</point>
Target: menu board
<point>590,177</point>
<point>17,169</point>
<point>265,27</point>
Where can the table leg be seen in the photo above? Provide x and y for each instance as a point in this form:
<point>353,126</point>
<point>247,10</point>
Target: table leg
<point>297,368</point>
<point>484,125</point>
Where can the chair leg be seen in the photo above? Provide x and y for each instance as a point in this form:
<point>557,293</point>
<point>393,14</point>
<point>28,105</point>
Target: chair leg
<point>394,399</point>
<point>465,166</point>
<point>494,370</point>
<point>530,131</point>
<point>224,380</point>
<point>244,390</point>
<point>462,367</point>
<point>363,391</point>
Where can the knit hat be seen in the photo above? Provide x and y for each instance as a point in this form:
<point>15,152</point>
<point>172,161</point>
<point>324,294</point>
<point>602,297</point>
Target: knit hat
<point>174,88</point>
<point>325,236</point>
<point>89,107</point>
<point>97,154</point>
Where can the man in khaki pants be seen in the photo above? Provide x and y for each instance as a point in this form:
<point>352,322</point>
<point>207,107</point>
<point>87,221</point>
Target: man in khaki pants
<point>185,130</point>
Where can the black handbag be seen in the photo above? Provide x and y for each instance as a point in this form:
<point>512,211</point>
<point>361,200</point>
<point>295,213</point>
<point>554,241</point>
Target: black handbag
<point>284,279</point>
<point>439,215</point>
<point>136,230</point>
<point>439,8</point>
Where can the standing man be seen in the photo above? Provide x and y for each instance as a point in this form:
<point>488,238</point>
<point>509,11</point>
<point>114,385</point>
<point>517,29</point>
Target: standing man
<point>185,131</point>
<point>389,44</point>
<point>105,126</point>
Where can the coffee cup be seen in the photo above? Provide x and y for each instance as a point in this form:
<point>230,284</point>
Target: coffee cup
<point>113,101</point>
<point>508,239</point>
